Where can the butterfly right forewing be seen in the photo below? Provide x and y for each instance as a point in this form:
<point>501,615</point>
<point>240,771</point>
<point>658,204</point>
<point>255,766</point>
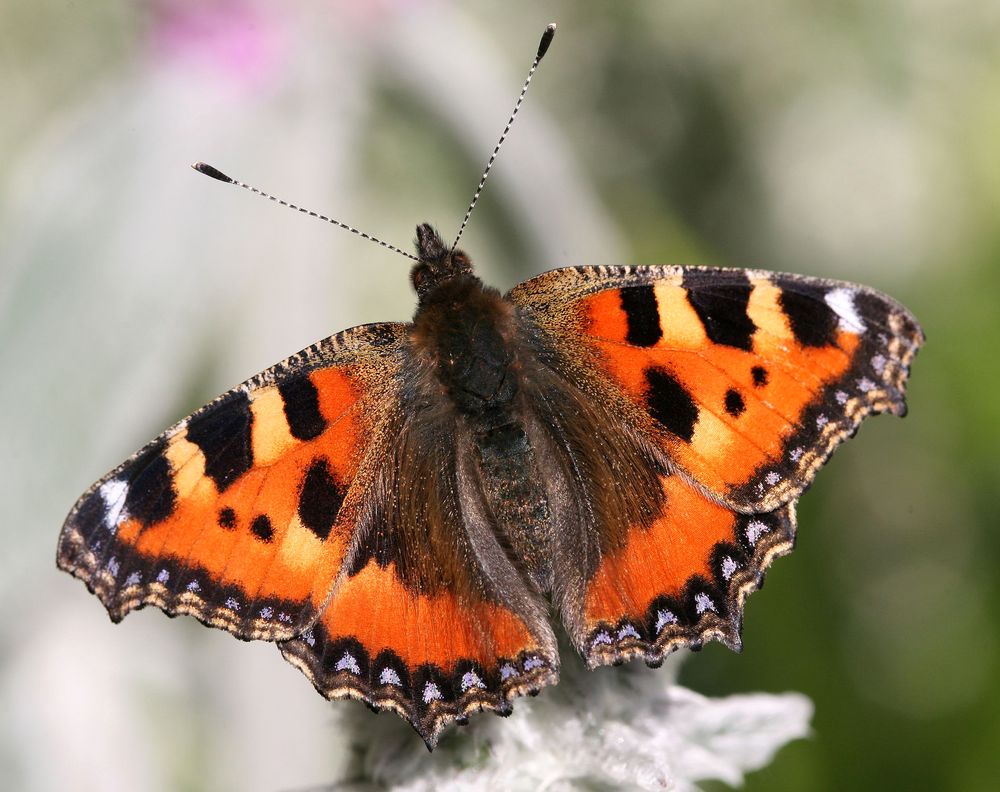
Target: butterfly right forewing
<point>745,379</point>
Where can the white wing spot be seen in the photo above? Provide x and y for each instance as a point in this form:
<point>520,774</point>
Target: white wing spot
<point>113,493</point>
<point>865,385</point>
<point>267,612</point>
<point>628,631</point>
<point>796,454</point>
<point>348,663</point>
<point>113,566</point>
<point>821,421</point>
<point>232,604</point>
<point>841,397</point>
<point>772,478</point>
<point>663,618</point>
<point>603,637</point>
<point>755,529</point>
<point>842,302</point>
<point>470,679</point>
<point>533,662</point>
<point>133,579</point>
<point>389,677</point>
<point>878,363</point>
<point>309,637</point>
<point>431,693</point>
<point>194,585</point>
<point>284,617</point>
<point>729,566</point>
<point>702,603</point>
<point>507,671</point>
<point>163,576</point>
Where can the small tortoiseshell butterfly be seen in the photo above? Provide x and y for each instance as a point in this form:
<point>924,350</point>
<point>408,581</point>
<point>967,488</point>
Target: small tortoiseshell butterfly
<point>399,505</point>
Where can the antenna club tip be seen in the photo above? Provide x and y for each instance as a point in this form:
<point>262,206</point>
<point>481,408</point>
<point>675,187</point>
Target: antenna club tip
<point>547,36</point>
<point>208,170</point>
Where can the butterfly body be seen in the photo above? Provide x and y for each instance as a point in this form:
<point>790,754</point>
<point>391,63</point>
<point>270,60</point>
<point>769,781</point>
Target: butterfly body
<point>400,506</point>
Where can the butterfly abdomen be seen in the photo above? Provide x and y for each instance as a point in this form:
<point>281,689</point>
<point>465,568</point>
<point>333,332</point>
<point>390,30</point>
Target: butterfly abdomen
<point>517,498</point>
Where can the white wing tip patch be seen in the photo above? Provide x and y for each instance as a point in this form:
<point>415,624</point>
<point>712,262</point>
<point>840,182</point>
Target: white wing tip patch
<point>841,301</point>
<point>114,493</point>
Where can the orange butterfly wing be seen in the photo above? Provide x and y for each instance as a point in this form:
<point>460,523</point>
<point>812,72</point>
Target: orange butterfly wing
<point>743,382</point>
<point>293,509</point>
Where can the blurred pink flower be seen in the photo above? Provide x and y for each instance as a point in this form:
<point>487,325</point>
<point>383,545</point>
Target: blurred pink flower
<point>236,39</point>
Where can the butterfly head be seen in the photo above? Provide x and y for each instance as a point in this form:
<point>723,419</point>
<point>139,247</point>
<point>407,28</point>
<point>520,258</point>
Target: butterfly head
<point>438,263</point>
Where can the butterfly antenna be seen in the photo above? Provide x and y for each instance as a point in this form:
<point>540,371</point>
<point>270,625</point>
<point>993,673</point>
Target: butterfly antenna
<point>543,46</point>
<point>215,173</point>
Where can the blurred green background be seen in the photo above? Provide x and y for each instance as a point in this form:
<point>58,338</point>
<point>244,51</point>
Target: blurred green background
<point>853,140</point>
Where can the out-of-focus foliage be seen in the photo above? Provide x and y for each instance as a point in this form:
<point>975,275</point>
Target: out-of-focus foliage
<point>853,140</point>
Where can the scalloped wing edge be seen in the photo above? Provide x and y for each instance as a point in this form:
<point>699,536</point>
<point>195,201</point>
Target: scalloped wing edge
<point>436,706</point>
<point>272,620</point>
<point>879,386</point>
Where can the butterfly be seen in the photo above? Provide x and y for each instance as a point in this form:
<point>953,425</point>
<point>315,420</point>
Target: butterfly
<point>401,506</point>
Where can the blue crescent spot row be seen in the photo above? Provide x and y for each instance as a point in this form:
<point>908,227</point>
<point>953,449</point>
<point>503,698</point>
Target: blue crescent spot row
<point>387,676</point>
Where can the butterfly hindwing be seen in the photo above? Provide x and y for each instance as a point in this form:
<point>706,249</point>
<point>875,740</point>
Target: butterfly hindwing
<point>241,514</point>
<point>645,560</point>
<point>430,617</point>
<point>431,657</point>
<point>681,579</point>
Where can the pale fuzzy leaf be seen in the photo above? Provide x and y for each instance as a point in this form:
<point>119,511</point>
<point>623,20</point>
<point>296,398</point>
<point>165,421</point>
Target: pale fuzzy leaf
<point>622,728</point>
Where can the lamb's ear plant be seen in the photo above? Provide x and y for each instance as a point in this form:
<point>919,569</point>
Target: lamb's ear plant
<point>628,728</point>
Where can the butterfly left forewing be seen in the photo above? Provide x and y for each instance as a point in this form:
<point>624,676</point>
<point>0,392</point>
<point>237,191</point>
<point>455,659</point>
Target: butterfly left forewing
<point>241,514</point>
